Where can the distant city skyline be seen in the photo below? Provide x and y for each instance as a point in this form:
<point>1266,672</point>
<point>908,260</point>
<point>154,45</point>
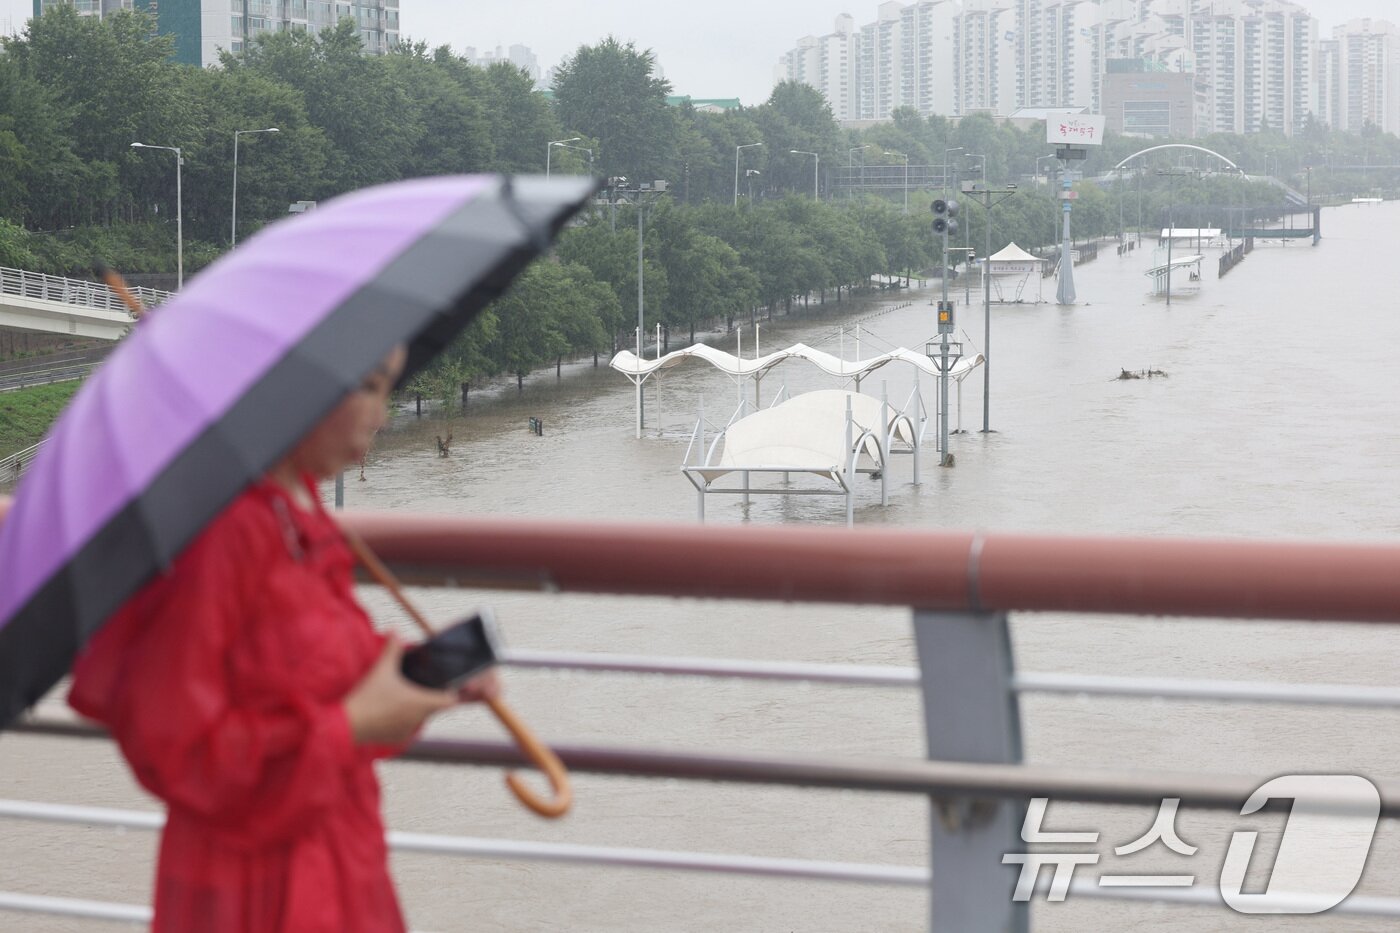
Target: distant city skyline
<point>724,48</point>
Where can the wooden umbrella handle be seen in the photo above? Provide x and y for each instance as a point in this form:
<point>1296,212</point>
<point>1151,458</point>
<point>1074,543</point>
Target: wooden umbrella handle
<point>118,284</point>
<point>540,755</point>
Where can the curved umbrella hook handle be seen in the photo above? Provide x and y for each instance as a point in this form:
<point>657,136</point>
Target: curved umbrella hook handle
<point>542,757</point>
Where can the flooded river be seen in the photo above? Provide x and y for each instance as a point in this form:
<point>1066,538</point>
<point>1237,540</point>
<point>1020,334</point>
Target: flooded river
<point>1275,419</point>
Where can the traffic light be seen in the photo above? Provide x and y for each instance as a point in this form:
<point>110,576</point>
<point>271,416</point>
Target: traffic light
<point>945,316</point>
<point>944,216</point>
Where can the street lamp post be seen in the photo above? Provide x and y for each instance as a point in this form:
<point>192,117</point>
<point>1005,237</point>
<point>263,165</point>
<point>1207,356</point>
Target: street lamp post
<point>1171,223</point>
<point>816,161</point>
<point>1139,223</point>
<point>1050,187</point>
<point>905,157</point>
<point>233,223</point>
<point>179,211</point>
<point>851,161</point>
<point>641,194</point>
<point>549,150</point>
<point>737,150</point>
<point>967,236</point>
<point>945,163</point>
<point>984,198</point>
<point>978,155</point>
<point>580,149</point>
<point>749,175</point>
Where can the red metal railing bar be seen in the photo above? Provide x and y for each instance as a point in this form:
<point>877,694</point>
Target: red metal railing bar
<point>924,569</point>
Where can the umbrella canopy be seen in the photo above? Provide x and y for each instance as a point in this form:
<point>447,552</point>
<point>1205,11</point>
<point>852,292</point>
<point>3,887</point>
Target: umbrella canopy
<point>221,382</point>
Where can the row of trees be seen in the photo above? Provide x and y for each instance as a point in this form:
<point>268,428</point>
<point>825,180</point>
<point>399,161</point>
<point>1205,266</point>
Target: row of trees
<point>75,92</point>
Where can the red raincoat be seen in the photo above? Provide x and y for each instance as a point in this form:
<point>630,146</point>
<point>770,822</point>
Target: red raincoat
<point>222,681</point>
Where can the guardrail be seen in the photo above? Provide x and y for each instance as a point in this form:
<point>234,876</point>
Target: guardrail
<point>41,287</point>
<point>55,367</point>
<point>960,587</point>
<point>13,466</point>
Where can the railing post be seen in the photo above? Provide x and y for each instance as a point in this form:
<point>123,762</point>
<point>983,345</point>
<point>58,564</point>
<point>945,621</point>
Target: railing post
<point>971,714</point>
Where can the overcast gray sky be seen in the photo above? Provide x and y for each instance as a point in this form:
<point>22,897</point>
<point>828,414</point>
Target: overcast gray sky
<point>715,48</point>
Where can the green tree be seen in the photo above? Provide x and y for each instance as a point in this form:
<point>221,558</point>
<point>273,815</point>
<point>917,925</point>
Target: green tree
<point>522,122</point>
<point>274,169</point>
<point>368,129</point>
<point>453,134</point>
<point>609,91</point>
<point>104,84</point>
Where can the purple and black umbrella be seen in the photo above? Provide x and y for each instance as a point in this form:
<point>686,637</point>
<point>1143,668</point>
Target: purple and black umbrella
<point>222,381</point>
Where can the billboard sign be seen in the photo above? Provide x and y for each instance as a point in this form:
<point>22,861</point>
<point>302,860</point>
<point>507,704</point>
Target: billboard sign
<point>1080,129</point>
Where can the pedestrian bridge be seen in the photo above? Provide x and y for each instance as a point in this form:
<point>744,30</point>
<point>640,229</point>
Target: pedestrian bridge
<point>56,305</point>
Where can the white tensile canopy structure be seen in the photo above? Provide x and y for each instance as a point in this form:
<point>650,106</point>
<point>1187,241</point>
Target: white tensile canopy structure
<point>831,434</point>
<point>638,370</point>
<point>1190,264</point>
<point>1013,267</point>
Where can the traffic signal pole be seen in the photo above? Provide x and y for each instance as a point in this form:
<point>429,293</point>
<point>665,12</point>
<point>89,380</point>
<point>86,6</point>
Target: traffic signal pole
<point>945,214</point>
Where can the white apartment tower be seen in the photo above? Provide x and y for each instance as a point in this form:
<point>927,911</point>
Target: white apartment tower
<point>903,59</point>
<point>1367,77</point>
<point>984,57</point>
<point>827,63</point>
<point>98,8</point>
<point>1253,60</point>
<point>1327,78</point>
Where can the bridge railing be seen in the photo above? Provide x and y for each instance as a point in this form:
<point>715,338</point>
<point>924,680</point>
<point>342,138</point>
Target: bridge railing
<point>41,287</point>
<point>961,588</point>
<point>13,466</point>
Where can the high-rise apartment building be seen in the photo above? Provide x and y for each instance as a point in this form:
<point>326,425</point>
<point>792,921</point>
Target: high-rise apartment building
<point>1365,85</point>
<point>984,57</point>
<point>1253,59</point>
<point>96,8</point>
<point>1252,62</point>
<point>827,63</point>
<point>520,56</point>
<point>202,28</point>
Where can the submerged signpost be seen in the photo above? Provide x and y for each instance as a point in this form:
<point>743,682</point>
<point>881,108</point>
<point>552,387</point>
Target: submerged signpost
<point>1071,134</point>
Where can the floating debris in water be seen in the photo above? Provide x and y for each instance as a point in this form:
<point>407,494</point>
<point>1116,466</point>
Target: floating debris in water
<point>1141,374</point>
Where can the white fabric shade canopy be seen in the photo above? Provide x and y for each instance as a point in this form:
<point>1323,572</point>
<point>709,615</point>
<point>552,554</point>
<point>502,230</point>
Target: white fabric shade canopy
<point>1014,253</point>
<point>627,362</point>
<point>807,434</point>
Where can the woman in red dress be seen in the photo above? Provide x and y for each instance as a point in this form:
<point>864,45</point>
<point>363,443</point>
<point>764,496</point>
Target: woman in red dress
<point>249,692</point>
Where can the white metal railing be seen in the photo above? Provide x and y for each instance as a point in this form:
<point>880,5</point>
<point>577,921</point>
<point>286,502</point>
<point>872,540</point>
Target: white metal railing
<point>13,466</point>
<point>42,287</point>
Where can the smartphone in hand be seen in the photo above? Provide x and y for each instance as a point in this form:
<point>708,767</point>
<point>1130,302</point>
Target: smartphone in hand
<point>454,655</point>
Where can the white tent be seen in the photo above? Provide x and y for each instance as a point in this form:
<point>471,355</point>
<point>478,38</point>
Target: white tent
<point>1013,266</point>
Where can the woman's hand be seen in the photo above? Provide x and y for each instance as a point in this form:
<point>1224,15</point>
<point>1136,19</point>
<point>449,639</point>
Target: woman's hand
<point>384,708</point>
<point>484,686</point>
